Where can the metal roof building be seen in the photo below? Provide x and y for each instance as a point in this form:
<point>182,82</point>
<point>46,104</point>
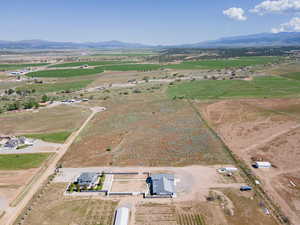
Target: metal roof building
<point>88,179</point>
<point>163,184</point>
<point>122,216</point>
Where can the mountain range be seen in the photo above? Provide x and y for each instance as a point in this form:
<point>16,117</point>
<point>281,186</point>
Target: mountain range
<point>255,40</point>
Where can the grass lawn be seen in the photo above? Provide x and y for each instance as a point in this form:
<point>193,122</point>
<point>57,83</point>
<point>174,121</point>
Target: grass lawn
<point>90,63</point>
<point>65,72</point>
<point>224,63</point>
<point>22,161</point>
<point>20,66</point>
<point>132,67</point>
<point>55,87</point>
<point>58,137</point>
<point>259,87</point>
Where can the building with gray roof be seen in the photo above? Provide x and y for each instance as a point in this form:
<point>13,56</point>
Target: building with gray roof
<point>88,179</point>
<point>162,185</point>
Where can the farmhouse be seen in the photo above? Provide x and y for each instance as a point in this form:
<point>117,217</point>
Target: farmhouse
<point>162,185</point>
<point>88,179</point>
<point>15,142</point>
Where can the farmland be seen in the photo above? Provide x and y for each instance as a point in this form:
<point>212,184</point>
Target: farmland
<point>266,129</point>
<point>59,137</point>
<point>89,63</point>
<point>44,121</point>
<point>259,87</point>
<point>24,161</point>
<point>62,73</point>
<point>132,67</point>
<point>20,66</point>
<point>224,63</point>
<point>56,87</point>
<point>64,211</point>
<point>146,132</point>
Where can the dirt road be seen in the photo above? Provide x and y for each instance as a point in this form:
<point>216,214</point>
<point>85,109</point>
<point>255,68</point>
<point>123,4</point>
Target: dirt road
<point>13,212</point>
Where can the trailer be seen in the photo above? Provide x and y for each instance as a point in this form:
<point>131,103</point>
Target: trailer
<point>262,165</point>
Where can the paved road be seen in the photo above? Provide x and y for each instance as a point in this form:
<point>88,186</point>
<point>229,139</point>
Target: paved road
<point>13,212</point>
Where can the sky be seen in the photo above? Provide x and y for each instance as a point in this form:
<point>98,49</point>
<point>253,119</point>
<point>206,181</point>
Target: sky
<point>144,21</point>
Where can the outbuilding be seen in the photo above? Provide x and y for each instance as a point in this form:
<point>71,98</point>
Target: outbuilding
<point>262,165</point>
<point>122,216</point>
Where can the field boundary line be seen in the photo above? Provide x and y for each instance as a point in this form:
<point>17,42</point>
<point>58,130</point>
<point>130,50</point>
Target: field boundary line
<point>21,195</point>
<point>277,212</point>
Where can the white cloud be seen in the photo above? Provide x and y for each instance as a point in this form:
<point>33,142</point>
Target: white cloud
<point>270,6</point>
<point>235,13</point>
<point>292,25</point>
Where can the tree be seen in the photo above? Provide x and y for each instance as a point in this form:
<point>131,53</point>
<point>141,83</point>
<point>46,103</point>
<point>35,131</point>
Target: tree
<point>45,98</point>
<point>14,106</point>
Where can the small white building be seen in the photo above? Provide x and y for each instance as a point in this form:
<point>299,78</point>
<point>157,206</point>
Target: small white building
<point>263,165</point>
<point>227,170</point>
<point>122,216</point>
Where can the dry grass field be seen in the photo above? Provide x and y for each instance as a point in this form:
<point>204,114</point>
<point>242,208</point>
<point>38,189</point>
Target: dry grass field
<point>61,210</point>
<point>13,181</point>
<point>56,119</point>
<point>145,131</point>
<point>265,129</point>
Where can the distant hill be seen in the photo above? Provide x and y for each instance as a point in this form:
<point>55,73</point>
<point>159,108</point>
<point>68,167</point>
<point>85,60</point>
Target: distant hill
<point>40,44</point>
<point>255,40</point>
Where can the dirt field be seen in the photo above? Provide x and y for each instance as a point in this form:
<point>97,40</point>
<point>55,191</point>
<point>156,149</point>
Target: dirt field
<point>265,129</point>
<point>12,182</point>
<point>56,119</point>
<point>61,210</point>
<point>145,131</point>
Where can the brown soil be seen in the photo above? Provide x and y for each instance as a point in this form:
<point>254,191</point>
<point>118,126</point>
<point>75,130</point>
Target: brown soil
<point>12,182</point>
<point>264,129</point>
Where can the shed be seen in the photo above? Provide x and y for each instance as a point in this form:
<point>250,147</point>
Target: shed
<point>227,170</point>
<point>122,216</point>
<point>163,185</point>
<point>263,165</point>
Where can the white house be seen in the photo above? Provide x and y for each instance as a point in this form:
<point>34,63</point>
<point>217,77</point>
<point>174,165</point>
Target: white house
<point>263,165</point>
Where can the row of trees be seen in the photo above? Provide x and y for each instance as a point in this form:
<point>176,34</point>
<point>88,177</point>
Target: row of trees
<point>27,104</point>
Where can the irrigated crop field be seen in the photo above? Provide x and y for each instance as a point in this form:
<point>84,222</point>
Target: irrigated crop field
<point>65,72</point>
<point>145,131</point>
<point>23,161</point>
<point>224,63</point>
<point>57,119</point>
<point>259,87</point>
<point>89,63</point>
<point>61,210</point>
<point>20,66</point>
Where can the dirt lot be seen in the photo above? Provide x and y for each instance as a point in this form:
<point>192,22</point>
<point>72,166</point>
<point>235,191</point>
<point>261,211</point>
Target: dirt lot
<point>145,132</point>
<point>49,120</point>
<point>264,129</point>
<point>61,210</point>
<point>12,182</point>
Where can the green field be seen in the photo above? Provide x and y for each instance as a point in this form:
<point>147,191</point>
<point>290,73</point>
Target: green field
<point>56,87</point>
<point>59,137</point>
<point>22,161</point>
<point>65,72</point>
<point>132,67</point>
<point>90,63</point>
<point>259,87</point>
<point>293,75</point>
<point>20,66</point>
<point>224,63</point>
